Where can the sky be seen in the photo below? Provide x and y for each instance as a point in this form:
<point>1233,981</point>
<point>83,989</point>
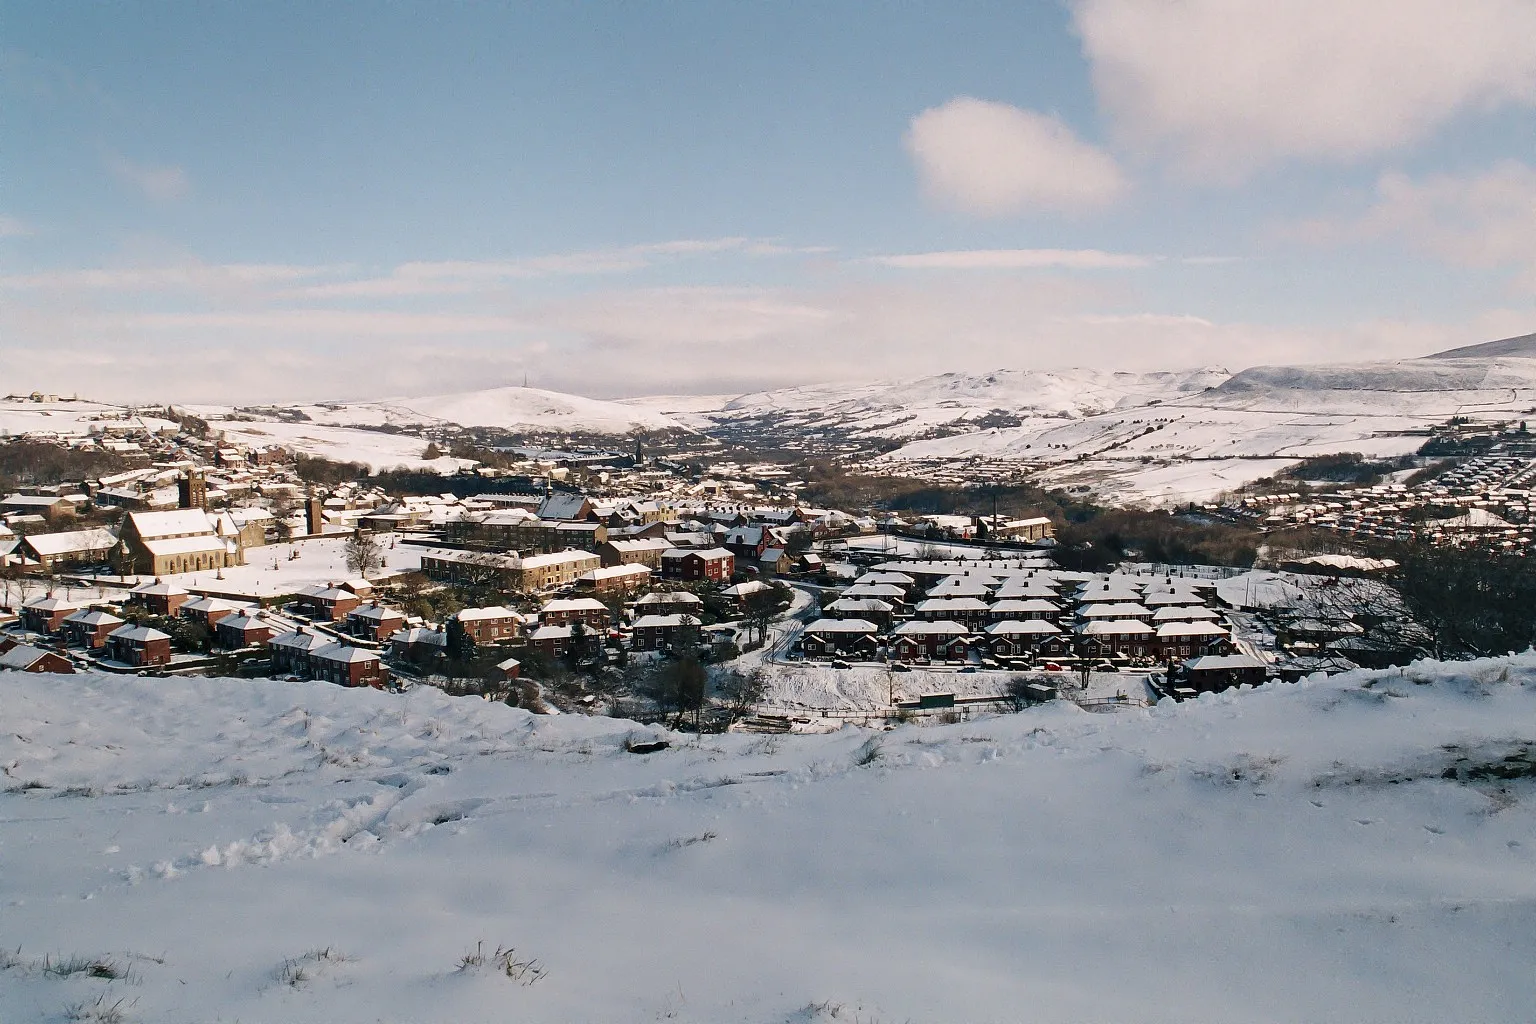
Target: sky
<point>294,201</point>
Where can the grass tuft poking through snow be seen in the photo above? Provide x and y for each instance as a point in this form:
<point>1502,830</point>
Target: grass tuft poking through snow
<point>101,1010</point>
<point>524,971</point>
<point>871,751</point>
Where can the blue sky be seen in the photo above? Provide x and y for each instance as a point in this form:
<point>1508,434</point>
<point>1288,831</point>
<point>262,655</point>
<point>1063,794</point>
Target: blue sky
<point>269,201</point>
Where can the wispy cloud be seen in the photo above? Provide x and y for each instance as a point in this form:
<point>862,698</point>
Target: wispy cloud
<point>1485,220</point>
<point>459,277</point>
<point>1013,259</point>
<point>15,227</point>
<point>192,276</point>
<point>160,182</point>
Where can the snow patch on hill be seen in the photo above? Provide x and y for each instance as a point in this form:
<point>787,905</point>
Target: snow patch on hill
<point>509,408</point>
<point>1352,848</point>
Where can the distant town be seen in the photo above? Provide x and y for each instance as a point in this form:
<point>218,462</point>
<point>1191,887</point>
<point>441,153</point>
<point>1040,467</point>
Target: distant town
<point>658,578</point>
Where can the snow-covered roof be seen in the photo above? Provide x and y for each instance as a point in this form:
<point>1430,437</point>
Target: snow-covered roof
<point>172,523</point>
<point>842,626</point>
<point>1172,629</point>
<point>1124,610</point>
<point>666,621</point>
<point>1222,662</point>
<point>1103,627</point>
<point>494,611</point>
<point>48,545</point>
<point>158,588</point>
<point>945,626</point>
<point>1015,627</point>
<point>573,604</point>
<point>22,657</point>
<point>344,654</point>
<point>93,617</point>
<point>137,634</point>
<point>187,545</point>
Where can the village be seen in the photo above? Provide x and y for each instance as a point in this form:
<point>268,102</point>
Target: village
<point>572,579</point>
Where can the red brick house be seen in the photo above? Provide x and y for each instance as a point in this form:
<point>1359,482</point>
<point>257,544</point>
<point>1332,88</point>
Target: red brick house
<point>1017,638</point>
<point>290,651</point>
<point>615,579</point>
<point>748,542</point>
<point>1179,640</point>
<point>26,658</point>
<point>159,598</point>
<point>669,603</point>
<point>375,622</point>
<point>551,641</point>
<point>208,610</point>
<point>713,564</point>
<point>47,614</point>
<point>655,632</point>
<point>935,641</point>
<point>246,629</point>
<point>139,645</point>
<point>826,638</point>
<point>346,665</point>
<point>328,604</point>
<point>89,627</point>
<point>491,625</point>
<point>564,611</point>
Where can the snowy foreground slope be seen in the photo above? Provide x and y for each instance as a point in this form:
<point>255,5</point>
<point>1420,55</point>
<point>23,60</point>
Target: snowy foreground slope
<point>1340,850</point>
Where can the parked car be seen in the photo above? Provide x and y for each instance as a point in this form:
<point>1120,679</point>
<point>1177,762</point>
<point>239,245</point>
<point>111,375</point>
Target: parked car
<point>968,668</point>
<point>839,663</point>
<point>900,666</point>
<point>1051,666</point>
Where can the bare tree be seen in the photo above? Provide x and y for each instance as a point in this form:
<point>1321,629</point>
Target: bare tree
<point>362,553</point>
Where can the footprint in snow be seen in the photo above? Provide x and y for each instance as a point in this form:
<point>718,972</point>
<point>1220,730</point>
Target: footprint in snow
<point>1437,831</point>
<point>1365,821</point>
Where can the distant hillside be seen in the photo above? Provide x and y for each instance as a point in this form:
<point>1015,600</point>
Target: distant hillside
<point>901,409</point>
<point>1523,346</point>
<point>509,408</point>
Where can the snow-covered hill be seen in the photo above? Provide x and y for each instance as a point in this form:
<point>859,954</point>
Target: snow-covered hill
<point>1248,426</point>
<point>510,408</point>
<point>1355,849</point>
<point>903,409</point>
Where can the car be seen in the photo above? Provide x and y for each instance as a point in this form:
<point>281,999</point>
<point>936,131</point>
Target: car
<point>839,663</point>
<point>900,666</point>
<point>1051,666</point>
<point>968,669</point>
<point>1106,666</point>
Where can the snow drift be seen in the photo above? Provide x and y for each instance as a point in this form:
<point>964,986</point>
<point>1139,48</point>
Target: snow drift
<point>1353,848</point>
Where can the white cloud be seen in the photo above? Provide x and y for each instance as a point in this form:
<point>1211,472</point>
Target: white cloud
<point>190,276</point>
<point>991,159</point>
<point>161,183</point>
<point>14,227</point>
<point>1013,259</point>
<point>460,277</point>
<point>1222,87</point>
<point>1485,220</point>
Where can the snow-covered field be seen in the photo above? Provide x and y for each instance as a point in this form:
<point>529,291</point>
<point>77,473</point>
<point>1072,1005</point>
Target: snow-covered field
<point>374,449</point>
<point>270,571</point>
<point>262,851</point>
<point>28,417</point>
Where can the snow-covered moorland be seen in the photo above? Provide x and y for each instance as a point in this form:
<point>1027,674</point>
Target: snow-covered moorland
<point>1358,848</point>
